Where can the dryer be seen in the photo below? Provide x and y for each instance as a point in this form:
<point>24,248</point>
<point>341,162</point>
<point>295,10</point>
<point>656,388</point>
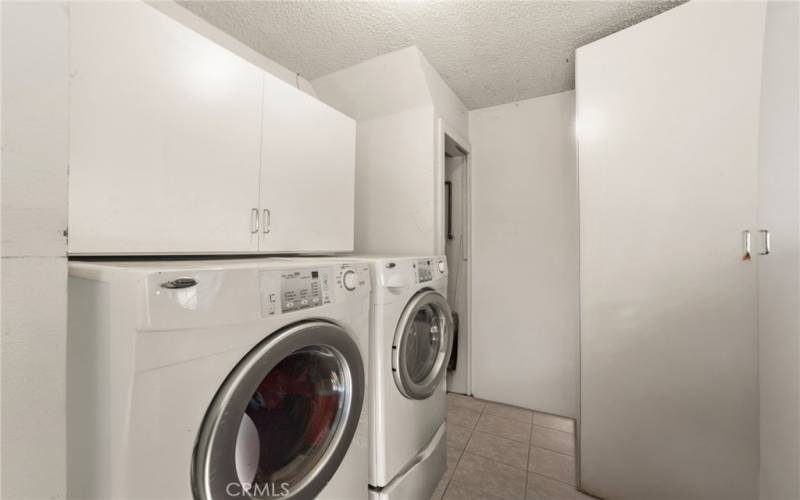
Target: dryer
<point>411,341</point>
<point>218,379</point>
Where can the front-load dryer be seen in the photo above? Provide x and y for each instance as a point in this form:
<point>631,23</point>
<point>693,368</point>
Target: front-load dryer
<point>411,336</point>
<point>218,379</point>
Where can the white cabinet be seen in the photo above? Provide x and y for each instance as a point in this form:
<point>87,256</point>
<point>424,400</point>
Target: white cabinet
<point>668,117</point>
<point>307,173</point>
<point>165,136</point>
<point>178,146</point>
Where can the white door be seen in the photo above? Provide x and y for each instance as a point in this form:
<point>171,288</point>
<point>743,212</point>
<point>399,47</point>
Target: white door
<point>779,271</point>
<point>307,173</point>
<point>668,153</point>
<point>165,136</point>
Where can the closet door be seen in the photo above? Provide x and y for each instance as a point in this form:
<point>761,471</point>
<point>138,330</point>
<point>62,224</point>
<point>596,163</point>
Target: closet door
<point>307,173</point>
<point>668,115</point>
<point>165,136</point>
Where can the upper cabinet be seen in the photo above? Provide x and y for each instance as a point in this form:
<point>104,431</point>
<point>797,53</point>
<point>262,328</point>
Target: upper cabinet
<point>307,173</point>
<point>178,146</point>
<point>165,136</point>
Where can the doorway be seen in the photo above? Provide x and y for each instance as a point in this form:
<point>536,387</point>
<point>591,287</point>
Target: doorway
<point>456,245</point>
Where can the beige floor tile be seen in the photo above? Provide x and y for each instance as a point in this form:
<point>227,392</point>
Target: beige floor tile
<point>453,455</point>
<point>503,427</point>
<point>463,401</point>
<point>502,450</point>
<point>509,412</point>
<point>554,422</point>
<point>440,488</point>
<point>543,488</point>
<point>457,436</point>
<point>463,417</point>
<point>552,464</point>
<point>562,442</point>
<point>478,477</point>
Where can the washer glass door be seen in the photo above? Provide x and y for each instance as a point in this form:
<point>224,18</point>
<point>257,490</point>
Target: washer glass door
<point>284,418</point>
<point>422,345</point>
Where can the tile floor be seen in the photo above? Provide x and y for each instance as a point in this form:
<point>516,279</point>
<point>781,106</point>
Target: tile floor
<point>504,452</point>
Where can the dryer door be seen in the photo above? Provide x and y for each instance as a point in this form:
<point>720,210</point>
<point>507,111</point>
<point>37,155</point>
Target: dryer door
<point>282,421</point>
<point>422,345</point>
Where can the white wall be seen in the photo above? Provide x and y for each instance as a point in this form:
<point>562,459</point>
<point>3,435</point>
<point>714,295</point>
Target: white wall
<point>397,99</point>
<point>446,103</point>
<point>200,25</point>
<point>35,152</point>
<point>525,254</point>
<point>394,183</point>
<point>34,265</point>
<point>779,272</point>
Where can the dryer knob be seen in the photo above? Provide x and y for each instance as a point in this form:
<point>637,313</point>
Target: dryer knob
<point>441,266</point>
<point>349,280</point>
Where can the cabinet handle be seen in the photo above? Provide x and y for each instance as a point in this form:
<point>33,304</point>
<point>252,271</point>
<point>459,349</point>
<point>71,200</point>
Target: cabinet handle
<point>267,220</point>
<point>254,222</point>
<point>766,242</point>
<point>746,247</point>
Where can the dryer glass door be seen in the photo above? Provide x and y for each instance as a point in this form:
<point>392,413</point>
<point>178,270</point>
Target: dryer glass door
<point>422,345</point>
<point>283,419</point>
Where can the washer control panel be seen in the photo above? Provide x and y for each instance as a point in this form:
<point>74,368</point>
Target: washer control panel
<point>288,290</point>
<point>424,270</point>
<point>304,289</point>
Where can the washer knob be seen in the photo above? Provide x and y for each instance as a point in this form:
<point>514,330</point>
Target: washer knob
<point>441,266</point>
<point>349,280</point>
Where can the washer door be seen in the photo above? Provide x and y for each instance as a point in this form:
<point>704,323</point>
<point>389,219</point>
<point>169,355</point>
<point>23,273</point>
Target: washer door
<point>283,420</point>
<point>422,345</point>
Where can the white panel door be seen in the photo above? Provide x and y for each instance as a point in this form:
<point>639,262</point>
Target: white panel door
<point>307,173</point>
<point>667,117</point>
<point>779,272</point>
<point>165,136</point>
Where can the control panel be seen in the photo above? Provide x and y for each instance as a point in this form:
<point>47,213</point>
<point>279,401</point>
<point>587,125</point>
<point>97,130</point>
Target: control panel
<point>288,290</point>
<point>303,289</point>
<point>424,271</point>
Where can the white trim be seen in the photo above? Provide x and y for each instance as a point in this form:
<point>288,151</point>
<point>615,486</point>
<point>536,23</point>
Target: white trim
<point>442,129</point>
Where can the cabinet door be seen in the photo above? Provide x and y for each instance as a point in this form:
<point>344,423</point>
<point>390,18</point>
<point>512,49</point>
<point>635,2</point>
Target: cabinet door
<point>307,173</point>
<point>165,136</point>
<point>668,116</point>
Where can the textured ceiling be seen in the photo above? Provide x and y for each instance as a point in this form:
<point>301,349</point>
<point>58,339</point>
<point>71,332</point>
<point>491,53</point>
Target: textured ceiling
<point>489,52</point>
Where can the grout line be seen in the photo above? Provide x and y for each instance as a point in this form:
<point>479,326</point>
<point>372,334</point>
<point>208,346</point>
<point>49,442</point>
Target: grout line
<point>450,479</point>
<point>553,451</point>
<point>529,442</point>
<point>552,429</point>
<point>556,429</point>
<point>528,458</point>
<point>461,454</point>
<point>575,487</point>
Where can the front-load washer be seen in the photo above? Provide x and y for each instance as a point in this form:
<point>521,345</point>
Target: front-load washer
<point>411,334</point>
<point>218,379</point>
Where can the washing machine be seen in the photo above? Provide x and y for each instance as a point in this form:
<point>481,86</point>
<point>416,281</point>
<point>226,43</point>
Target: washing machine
<point>218,379</point>
<point>411,335</point>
